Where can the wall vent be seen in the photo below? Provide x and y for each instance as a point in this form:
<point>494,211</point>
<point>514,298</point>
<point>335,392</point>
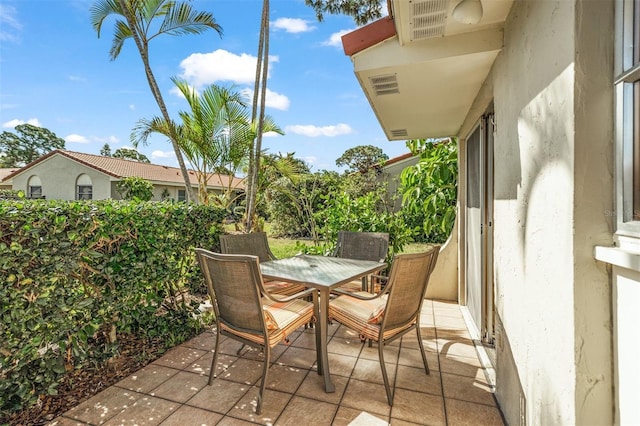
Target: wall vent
<point>385,84</point>
<point>428,18</point>
<point>399,133</point>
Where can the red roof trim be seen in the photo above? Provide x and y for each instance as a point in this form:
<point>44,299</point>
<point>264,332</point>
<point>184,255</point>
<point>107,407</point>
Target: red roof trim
<point>369,35</point>
<point>398,159</point>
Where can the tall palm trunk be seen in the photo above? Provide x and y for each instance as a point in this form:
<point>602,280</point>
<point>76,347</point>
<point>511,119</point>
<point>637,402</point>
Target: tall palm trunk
<point>143,48</point>
<point>262,69</point>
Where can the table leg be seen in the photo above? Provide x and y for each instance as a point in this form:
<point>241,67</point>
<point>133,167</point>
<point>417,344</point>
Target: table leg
<point>321,341</point>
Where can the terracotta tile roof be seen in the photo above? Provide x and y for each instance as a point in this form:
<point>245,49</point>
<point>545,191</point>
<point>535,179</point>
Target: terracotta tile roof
<point>121,168</point>
<point>6,172</point>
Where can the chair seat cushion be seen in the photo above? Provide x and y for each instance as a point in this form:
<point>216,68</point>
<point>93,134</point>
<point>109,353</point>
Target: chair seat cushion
<point>364,316</point>
<point>282,319</point>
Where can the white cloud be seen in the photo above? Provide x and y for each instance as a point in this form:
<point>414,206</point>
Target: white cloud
<point>75,138</point>
<point>315,131</point>
<point>77,78</point>
<point>310,159</point>
<point>132,107</point>
<point>162,154</point>
<point>201,69</point>
<point>15,122</point>
<point>270,135</point>
<point>336,38</point>
<point>108,139</point>
<point>292,25</point>
<point>274,99</point>
<point>10,26</point>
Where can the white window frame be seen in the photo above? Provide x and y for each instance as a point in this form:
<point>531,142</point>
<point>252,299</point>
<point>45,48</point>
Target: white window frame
<point>626,73</point>
<point>182,195</point>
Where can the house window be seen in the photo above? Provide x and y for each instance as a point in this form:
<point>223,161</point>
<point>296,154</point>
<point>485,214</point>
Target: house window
<point>85,192</point>
<point>627,95</point>
<point>182,195</point>
<point>35,191</point>
<point>84,188</point>
<point>34,188</point>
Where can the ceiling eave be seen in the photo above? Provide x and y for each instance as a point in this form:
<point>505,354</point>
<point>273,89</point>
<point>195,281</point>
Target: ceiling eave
<point>425,88</point>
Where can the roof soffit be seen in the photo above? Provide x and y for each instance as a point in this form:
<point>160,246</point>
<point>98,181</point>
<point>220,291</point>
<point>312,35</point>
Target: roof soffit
<point>425,88</point>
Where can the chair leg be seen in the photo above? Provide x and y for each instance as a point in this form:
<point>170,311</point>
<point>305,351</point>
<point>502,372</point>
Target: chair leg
<point>215,357</point>
<point>263,384</point>
<point>239,351</point>
<point>424,355</point>
<point>385,377</point>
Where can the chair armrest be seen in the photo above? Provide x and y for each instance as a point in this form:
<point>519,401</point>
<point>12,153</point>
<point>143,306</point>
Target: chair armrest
<point>357,295</point>
<point>275,298</point>
<point>380,277</point>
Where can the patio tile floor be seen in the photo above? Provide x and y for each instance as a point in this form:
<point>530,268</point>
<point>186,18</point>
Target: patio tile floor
<point>173,390</point>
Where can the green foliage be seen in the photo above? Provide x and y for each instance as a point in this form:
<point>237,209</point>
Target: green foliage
<point>32,143</point>
<point>362,11</point>
<point>135,188</point>
<point>361,158</point>
<point>11,194</point>
<point>128,154</point>
<point>105,151</point>
<point>76,274</point>
<point>429,190</point>
<point>367,213</point>
<point>293,201</point>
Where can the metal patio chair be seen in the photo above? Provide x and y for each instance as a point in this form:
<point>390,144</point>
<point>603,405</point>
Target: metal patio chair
<point>256,244</point>
<point>392,313</point>
<point>245,311</point>
<point>363,246</point>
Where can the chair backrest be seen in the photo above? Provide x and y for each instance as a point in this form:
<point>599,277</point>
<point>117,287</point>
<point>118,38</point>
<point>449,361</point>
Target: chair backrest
<point>408,279</point>
<point>362,245</point>
<point>254,244</point>
<point>233,283</point>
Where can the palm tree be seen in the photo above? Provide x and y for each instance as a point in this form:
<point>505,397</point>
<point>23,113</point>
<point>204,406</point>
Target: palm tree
<point>262,70</point>
<point>178,18</point>
<point>215,135</point>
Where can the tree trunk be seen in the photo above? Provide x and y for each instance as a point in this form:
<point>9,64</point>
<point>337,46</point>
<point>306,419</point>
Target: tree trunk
<point>143,49</point>
<point>260,83</point>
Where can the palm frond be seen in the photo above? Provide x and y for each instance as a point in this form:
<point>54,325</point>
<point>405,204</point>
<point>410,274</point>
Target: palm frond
<point>101,10</point>
<point>181,18</point>
<point>121,33</point>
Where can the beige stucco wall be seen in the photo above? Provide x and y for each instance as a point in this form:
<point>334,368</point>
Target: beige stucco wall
<point>58,175</point>
<point>552,93</point>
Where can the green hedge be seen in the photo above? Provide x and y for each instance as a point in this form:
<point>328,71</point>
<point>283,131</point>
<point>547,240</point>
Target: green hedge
<point>75,274</point>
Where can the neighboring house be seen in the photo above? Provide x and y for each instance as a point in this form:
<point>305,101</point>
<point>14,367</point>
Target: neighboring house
<point>391,170</point>
<point>544,97</point>
<point>68,175</point>
<point>3,174</point>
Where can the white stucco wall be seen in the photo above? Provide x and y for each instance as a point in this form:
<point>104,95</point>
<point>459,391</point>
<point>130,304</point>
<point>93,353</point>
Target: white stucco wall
<point>552,185</point>
<point>58,175</point>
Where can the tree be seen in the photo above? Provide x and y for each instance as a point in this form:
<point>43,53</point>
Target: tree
<point>362,11</point>
<point>361,158</point>
<point>32,143</point>
<point>257,114</point>
<point>178,18</point>
<point>214,135</point>
<point>130,154</point>
<point>135,188</point>
<point>105,151</point>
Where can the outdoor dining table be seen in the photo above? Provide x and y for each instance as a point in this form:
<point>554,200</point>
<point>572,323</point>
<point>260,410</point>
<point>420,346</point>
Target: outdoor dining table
<point>322,273</point>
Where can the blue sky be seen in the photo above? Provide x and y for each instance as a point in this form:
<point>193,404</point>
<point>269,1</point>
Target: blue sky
<point>56,73</point>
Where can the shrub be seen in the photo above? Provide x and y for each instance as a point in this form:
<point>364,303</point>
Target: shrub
<point>75,274</point>
<point>430,190</point>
